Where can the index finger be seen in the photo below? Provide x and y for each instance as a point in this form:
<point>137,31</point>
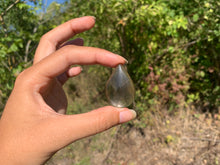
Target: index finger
<point>58,62</point>
<point>54,38</point>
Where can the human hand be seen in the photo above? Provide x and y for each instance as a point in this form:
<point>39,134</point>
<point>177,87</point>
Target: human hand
<point>33,125</point>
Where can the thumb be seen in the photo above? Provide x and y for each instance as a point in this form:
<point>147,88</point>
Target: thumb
<point>70,128</point>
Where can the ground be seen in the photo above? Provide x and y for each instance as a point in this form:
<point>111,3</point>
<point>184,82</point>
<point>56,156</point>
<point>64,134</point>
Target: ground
<point>183,139</point>
<point>187,137</point>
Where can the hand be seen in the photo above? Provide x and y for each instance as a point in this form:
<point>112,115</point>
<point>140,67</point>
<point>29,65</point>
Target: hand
<point>34,125</point>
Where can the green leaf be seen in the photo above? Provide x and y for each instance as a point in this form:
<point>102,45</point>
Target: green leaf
<point>195,17</point>
<point>13,48</point>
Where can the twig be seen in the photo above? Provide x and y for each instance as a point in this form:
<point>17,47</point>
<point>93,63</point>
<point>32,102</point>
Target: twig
<point>4,13</point>
<point>28,46</point>
<point>111,145</point>
<point>164,51</point>
<point>203,139</point>
<point>9,7</point>
<point>27,50</point>
<point>6,66</point>
<point>4,26</point>
<point>189,44</point>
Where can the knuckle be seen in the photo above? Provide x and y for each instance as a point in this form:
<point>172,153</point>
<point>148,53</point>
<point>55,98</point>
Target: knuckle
<point>44,38</point>
<point>66,48</point>
<point>106,120</point>
<point>101,124</point>
<point>23,79</point>
<point>20,78</point>
<point>64,51</point>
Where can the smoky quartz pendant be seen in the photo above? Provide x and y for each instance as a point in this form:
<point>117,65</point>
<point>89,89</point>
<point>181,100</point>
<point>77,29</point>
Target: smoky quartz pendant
<point>120,88</point>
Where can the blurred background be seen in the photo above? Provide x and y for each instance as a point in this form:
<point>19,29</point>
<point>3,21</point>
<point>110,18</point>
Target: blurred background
<point>173,49</point>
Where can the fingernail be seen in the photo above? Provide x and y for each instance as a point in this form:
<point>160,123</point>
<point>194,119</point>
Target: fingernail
<point>126,61</point>
<point>126,116</point>
<point>94,17</point>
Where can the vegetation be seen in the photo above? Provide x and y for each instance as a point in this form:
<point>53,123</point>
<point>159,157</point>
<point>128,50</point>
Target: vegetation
<point>21,28</point>
<point>173,51</point>
<point>172,46</point>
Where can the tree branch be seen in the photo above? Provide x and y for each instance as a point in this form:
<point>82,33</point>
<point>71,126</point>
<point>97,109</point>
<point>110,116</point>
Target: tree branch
<point>204,139</point>
<point>28,46</point>
<point>3,24</point>
<point>4,13</point>
<point>9,7</point>
<point>5,65</point>
<point>164,51</point>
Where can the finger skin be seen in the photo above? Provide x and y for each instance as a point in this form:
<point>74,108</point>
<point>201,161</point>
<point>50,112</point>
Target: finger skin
<point>60,61</point>
<point>30,127</point>
<point>69,128</point>
<point>74,71</point>
<point>77,41</point>
<point>94,122</point>
<point>53,39</point>
<point>56,131</point>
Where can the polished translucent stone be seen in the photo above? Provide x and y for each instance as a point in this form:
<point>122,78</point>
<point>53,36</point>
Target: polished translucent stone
<point>120,88</point>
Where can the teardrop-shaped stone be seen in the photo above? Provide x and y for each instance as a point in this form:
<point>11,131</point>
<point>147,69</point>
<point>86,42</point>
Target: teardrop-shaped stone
<point>120,88</point>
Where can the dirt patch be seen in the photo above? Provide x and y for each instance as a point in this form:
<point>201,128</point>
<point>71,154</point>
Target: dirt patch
<point>187,138</point>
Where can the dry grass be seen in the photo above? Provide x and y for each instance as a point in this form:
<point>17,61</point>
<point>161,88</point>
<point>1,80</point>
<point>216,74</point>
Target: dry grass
<point>186,138</point>
<point>178,140</point>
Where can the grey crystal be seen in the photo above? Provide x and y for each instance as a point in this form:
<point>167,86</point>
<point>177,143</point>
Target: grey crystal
<point>120,88</point>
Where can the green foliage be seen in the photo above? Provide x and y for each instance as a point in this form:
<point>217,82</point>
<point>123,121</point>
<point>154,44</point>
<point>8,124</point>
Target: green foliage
<point>15,29</point>
<point>21,27</point>
<point>84,161</point>
<point>169,139</point>
<point>172,46</point>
